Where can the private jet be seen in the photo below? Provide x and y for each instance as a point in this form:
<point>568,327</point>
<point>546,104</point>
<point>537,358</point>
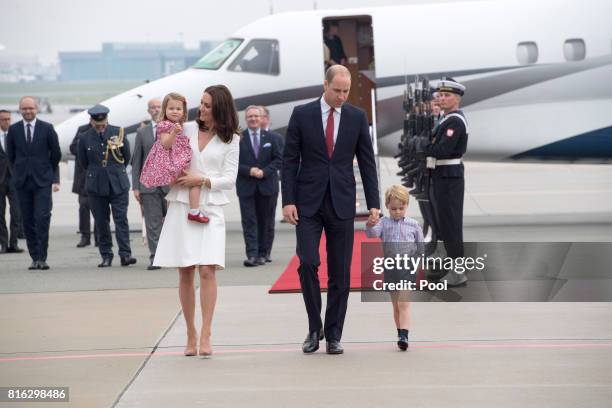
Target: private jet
<point>537,72</point>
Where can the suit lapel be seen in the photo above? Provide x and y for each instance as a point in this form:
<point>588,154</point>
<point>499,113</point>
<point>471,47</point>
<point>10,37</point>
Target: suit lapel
<point>247,141</point>
<point>263,139</point>
<point>317,120</point>
<point>341,127</point>
<point>151,139</point>
<point>22,133</point>
<point>37,132</point>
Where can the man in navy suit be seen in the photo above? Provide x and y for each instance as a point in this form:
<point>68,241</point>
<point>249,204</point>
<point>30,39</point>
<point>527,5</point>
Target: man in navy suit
<point>265,124</point>
<point>257,185</point>
<point>8,236</point>
<point>318,187</point>
<point>33,150</point>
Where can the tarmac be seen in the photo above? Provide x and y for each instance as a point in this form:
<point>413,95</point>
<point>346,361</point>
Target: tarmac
<point>115,336</point>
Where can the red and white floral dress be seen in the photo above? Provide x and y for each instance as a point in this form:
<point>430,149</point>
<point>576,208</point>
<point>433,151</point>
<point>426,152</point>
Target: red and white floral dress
<point>162,165</point>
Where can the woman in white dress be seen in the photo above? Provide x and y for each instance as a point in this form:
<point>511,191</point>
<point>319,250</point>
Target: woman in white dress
<point>186,244</point>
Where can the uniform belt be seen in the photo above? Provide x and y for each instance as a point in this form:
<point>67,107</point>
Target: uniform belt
<point>432,162</point>
<point>447,162</point>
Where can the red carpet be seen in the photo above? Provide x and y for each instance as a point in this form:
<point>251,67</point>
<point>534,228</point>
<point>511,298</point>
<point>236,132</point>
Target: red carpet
<point>289,281</point>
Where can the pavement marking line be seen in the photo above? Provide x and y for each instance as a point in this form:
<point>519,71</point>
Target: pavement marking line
<point>147,358</point>
<point>373,346</point>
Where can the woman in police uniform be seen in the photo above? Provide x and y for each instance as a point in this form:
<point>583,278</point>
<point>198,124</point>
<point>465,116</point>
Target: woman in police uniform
<point>105,153</point>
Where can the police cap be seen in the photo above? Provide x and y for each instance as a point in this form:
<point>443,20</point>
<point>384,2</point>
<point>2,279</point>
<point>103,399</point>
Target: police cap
<point>450,85</point>
<point>98,112</point>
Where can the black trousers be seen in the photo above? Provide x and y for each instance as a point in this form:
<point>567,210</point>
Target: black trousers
<point>448,203</point>
<point>35,204</point>
<point>101,207</point>
<point>85,218</point>
<point>84,215</point>
<point>8,237</point>
<point>271,225</point>
<point>255,218</point>
<point>339,245</point>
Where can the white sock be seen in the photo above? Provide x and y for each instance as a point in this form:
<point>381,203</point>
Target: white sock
<point>194,211</point>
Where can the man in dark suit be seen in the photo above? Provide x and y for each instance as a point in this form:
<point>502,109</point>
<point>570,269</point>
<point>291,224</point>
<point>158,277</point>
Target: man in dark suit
<point>78,187</point>
<point>104,153</point>
<point>33,150</point>
<point>334,44</point>
<point>153,199</point>
<point>257,185</point>
<point>318,187</point>
<point>265,124</point>
<point>8,242</point>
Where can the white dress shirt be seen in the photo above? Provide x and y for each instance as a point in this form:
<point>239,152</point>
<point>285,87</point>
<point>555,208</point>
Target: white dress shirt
<point>325,113</point>
<point>25,128</point>
<point>154,130</point>
<point>3,139</point>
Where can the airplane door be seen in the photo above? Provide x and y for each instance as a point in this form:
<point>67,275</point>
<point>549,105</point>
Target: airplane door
<point>349,41</point>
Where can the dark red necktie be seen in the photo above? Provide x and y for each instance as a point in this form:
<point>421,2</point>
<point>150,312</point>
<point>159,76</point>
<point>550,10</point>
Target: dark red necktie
<point>329,133</point>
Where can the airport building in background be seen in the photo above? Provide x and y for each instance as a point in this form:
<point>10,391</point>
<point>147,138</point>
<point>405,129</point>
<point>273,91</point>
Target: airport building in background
<point>130,61</point>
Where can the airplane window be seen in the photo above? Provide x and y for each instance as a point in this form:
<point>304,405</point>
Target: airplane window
<point>527,52</point>
<point>258,57</point>
<point>218,55</point>
<point>574,49</point>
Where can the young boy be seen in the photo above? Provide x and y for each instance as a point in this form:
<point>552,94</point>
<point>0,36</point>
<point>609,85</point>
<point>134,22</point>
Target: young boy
<point>400,235</point>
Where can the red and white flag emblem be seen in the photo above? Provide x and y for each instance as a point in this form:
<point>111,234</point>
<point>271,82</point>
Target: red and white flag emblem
<point>450,132</point>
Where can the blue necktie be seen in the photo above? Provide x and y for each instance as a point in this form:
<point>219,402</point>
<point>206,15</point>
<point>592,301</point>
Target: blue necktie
<point>29,133</point>
<point>255,144</point>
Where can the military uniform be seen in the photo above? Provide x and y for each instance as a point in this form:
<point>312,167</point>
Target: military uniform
<point>78,187</point>
<point>105,158</point>
<point>444,157</point>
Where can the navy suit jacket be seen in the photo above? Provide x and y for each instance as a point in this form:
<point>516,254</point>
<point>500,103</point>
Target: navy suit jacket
<point>103,181</point>
<point>5,166</point>
<point>38,159</point>
<point>268,160</point>
<point>78,180</point>
<point>307,170</point>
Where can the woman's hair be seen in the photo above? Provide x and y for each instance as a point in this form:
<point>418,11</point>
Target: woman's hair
<point>398,192</point>
<point>223,111</point>
<point>173,96</point>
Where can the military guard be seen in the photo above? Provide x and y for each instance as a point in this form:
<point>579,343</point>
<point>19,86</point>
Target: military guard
<point>104,152</point>
<point>444,157</point>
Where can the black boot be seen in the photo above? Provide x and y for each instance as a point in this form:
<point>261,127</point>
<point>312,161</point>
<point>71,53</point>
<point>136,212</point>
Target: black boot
<point>402,341</point>
<point>85,241</point>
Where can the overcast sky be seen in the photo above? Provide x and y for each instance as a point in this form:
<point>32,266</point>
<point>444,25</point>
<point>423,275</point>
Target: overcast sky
<point>44,27</point>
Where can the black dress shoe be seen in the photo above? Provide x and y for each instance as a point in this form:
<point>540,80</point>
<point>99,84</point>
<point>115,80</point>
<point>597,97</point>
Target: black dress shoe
<point>268,259</point>
<point>261,260</point>
<point>311,344</point>
<point>33,265</point>
<point>106,262</point>
<point>152,267</point>
<point>43,265</point>
<point>251,261</point>
<point>85,241</point>
<point>14,250</point>
<point>127,261</point>
<point>334,347</point>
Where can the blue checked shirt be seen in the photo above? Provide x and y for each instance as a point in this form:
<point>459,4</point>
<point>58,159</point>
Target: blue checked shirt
<point>403,236</point>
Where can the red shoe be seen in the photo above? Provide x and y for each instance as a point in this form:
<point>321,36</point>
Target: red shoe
<point>201,218</point>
